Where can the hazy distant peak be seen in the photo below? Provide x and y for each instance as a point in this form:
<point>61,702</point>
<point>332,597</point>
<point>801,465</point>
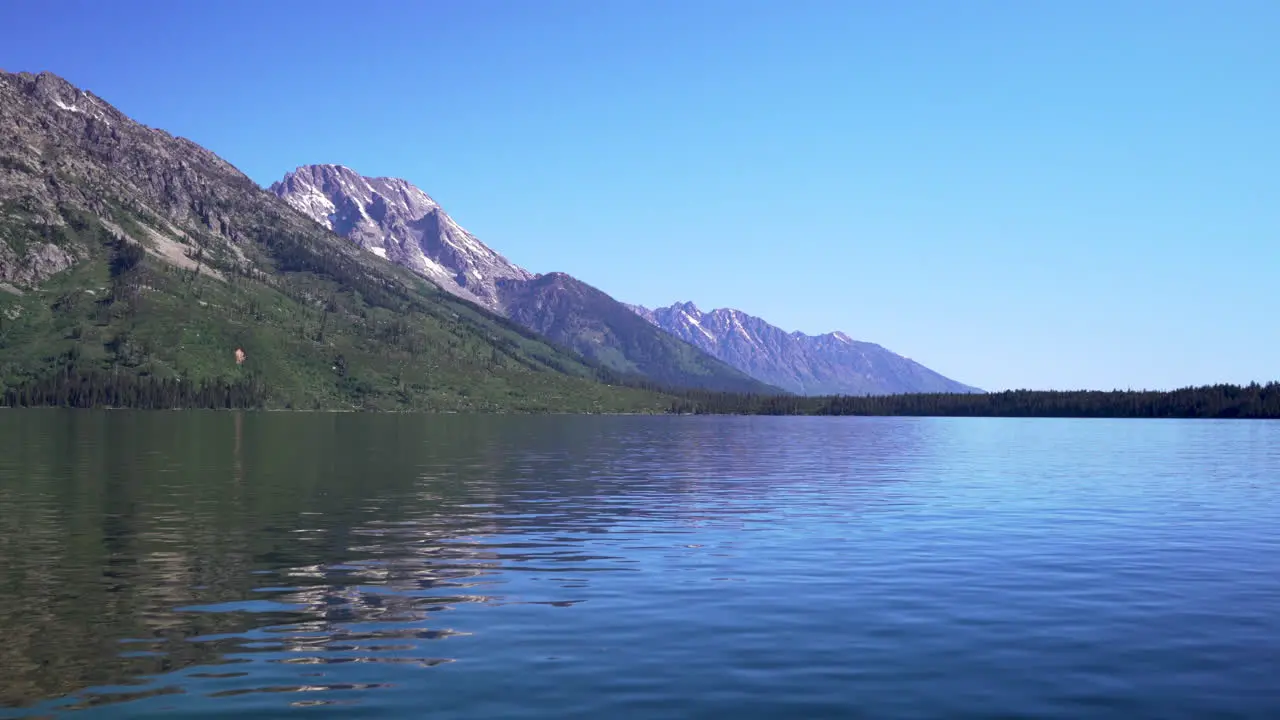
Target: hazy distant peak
<point>831,363</point>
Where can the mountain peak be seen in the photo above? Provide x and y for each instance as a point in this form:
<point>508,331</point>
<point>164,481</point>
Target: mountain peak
<point>396,220</point>
<point>828,364</point>
<point>57,91</point>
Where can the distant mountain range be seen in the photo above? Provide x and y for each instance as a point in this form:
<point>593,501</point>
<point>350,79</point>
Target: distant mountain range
<point>395,220</point>
<point>721,350</point>
<point>135,264</point>
<point>830,364</point>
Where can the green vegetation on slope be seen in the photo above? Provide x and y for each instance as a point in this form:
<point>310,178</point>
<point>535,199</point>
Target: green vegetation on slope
<point>121,328</point>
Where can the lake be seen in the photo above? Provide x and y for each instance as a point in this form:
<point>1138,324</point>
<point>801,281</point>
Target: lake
<point>248,565</point>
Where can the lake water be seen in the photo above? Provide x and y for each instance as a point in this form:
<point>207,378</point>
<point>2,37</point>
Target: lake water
<point>248,565</point>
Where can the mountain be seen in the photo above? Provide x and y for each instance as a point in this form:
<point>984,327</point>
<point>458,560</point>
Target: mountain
<point>138,268</point>
<point>395,220</point>
<point>570,311</point>
<point>830,364</point>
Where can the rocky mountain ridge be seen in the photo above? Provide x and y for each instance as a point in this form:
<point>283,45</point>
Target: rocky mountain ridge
<point>828,364</point>
<point>396,220</point>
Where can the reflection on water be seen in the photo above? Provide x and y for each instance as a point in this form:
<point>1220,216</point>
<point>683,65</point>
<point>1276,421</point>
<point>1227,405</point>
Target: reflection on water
<point>227,563</point>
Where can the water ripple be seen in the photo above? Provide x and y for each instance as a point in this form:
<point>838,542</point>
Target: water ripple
<point>169,565</point>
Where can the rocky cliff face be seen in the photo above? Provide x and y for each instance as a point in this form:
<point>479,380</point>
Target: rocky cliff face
<point>65,149</point>
<point>830,364</point>
<point>397,221</point>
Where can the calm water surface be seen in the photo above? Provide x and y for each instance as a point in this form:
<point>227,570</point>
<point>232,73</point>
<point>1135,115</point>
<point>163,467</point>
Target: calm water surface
<point>252,565</point>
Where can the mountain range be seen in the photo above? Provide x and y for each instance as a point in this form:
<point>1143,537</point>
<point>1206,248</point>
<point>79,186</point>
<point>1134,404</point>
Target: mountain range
<point>830,364</point>
<point>135,264</point>
<point>140,269</point>
<point>395,220</point>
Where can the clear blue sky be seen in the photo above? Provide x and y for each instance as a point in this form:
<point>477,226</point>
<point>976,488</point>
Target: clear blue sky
<point>1031,193</point>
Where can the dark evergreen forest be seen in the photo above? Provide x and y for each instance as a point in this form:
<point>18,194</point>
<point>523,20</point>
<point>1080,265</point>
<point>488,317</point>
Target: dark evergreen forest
<point>1211,401</point>
<point>72,387</point>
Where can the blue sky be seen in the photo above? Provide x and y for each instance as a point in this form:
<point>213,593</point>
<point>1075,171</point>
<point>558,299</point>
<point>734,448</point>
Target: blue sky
<point>1017,194</point>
